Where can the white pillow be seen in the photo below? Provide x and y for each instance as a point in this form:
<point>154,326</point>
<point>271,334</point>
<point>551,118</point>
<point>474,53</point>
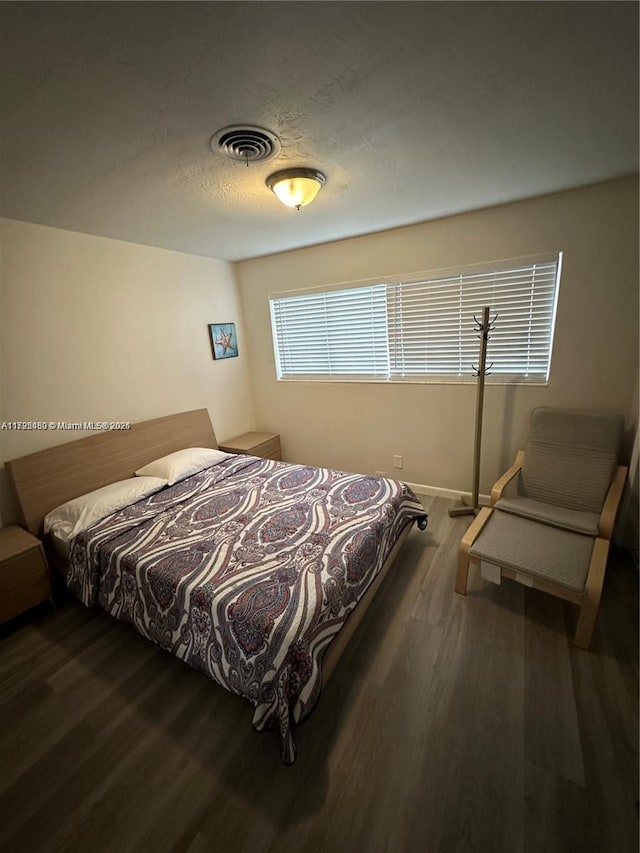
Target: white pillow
<point>176,466</point>
<point>66,521</point>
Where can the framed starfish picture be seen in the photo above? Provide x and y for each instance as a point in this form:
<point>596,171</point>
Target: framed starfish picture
<point>224,343</point>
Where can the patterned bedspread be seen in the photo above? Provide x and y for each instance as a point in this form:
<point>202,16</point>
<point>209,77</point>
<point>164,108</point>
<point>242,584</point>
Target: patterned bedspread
<point>247,571</point>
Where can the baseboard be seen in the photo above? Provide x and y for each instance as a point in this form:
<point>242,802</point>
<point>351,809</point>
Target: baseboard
<point>451,494</point>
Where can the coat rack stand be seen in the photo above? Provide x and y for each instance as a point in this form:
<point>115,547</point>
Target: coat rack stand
<point>466,506</point>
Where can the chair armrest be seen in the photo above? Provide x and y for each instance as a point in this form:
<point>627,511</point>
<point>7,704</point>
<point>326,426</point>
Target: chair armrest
<point>475,528</point>
<point>500,485</point>
<point>611,502</point>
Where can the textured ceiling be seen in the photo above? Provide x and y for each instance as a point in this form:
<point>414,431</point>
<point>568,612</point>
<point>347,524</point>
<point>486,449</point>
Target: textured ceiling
<point>412,110</point>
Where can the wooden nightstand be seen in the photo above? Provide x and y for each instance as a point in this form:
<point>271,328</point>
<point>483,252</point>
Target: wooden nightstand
<point>24,572</point>
<point>264,444</point>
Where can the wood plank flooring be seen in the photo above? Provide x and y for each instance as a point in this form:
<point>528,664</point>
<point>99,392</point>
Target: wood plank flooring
<point>451,724</point>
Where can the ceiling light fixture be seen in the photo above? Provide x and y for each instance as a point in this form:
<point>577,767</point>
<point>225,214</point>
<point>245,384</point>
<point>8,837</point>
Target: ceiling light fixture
<point>296,187</point>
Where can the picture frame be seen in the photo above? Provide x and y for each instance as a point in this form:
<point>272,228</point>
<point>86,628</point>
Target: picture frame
<point>224,342</point>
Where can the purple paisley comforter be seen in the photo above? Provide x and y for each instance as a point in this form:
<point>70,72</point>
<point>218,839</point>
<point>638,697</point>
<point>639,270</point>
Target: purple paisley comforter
<point>247,571</point>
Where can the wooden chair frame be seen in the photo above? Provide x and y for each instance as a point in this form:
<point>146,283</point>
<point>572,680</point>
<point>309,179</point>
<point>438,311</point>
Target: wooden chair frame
<point>589,600</point>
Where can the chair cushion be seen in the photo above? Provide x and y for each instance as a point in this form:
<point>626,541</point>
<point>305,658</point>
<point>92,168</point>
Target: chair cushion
<point>531,548</point>
<point>570,458</point>
<point>558,516</point>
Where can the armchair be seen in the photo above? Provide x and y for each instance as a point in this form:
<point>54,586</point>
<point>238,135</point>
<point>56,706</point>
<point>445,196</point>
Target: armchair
<point>552,513</point>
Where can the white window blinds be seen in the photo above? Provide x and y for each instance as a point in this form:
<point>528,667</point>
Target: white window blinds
<point>422,329</point>
<point>337,333</point>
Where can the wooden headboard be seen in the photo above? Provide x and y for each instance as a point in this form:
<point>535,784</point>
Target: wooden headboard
<point>46,479</point>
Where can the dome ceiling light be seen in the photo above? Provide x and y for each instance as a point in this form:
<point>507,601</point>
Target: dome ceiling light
<point>296,187</point>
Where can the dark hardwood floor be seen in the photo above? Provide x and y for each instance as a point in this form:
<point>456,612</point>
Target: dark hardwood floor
<point>451,724</point>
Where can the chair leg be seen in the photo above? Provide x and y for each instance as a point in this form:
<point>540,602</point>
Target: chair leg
<point>462,574</point>
<point>592,594</point>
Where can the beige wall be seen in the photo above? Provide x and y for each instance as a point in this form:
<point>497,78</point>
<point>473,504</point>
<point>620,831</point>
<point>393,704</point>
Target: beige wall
<point>96,329</point>
<point>360,426</point>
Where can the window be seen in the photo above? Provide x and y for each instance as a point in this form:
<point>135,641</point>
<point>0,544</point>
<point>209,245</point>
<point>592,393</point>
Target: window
<point>421,329</point>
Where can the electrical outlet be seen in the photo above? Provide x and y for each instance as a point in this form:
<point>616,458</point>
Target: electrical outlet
<point>397,461</point>
<point>381,473</point>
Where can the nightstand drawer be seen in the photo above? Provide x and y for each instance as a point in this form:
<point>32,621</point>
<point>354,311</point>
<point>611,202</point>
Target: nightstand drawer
<point>264,444</point>
<point>24,576</point>
<point>268,449</point>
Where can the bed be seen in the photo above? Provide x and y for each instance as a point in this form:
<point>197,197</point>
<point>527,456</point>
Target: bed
<point>252,570</point>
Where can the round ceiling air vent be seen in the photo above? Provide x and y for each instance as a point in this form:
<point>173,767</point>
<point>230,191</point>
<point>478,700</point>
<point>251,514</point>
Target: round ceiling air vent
<point>245,143</point>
